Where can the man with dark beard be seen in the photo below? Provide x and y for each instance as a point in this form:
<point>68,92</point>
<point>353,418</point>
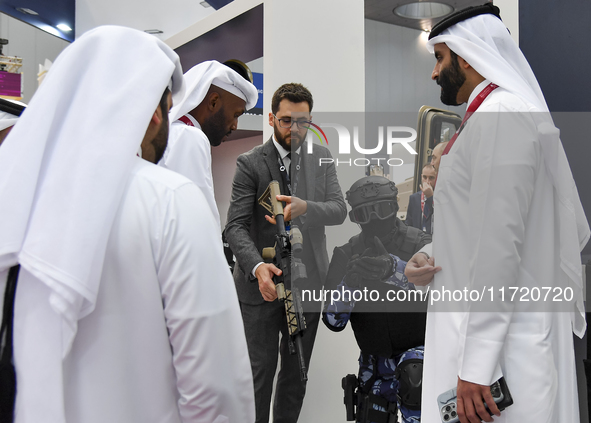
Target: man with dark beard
<point>450,79</point>
<point>152,148</point>
<point>216,96</point>
<point>508,215</point>
<point>116,316</point>
<point>313,200</point>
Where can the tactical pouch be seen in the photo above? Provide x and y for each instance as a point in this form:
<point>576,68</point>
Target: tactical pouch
<point>360,405</point>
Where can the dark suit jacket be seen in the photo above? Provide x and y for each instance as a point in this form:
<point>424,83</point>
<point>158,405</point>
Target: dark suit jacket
<point>413,214</point>
<point>247,230</point>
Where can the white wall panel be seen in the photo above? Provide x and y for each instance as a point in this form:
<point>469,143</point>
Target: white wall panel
<point>223,163</point>
<point>398,70</point>
<point>321,45</point>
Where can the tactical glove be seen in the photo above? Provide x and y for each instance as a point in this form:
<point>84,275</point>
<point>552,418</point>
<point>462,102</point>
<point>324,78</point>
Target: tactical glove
<point>366,267</point>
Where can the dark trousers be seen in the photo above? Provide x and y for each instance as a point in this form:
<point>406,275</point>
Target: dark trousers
<point>262,324</point>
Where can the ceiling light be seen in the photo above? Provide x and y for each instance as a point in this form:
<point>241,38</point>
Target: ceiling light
<point>63,27</point>
<point>153,31</point>
<point>50,29</point>
<point>205,4</point>
<point>423,10</point>
<point>26,11</point>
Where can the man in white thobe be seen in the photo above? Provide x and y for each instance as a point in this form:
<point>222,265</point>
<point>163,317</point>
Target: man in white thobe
<point>125,310</point>
<point>509,218</point>
<point>214,99</point>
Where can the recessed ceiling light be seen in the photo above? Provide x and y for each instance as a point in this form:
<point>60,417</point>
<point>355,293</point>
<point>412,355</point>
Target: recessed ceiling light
<point>50,29</point>
<point>423,10</point>
<point>205,4</point>
<point>153,31</point>
<point>26,11</point>
<point>63,27</point>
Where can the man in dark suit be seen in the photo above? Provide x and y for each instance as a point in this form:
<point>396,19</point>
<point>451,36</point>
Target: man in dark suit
<point>420,204</point>
<point>313,200</point>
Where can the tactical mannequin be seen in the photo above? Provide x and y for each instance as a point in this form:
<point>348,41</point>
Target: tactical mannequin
<point>390,341</point>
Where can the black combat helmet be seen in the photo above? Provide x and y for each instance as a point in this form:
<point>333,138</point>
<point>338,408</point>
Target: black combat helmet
<point>372,195</point>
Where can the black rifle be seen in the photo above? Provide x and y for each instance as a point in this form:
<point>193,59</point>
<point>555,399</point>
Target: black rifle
<point>285,256</point>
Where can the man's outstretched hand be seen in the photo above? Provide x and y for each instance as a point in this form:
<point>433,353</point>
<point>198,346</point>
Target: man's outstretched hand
<point>420,269</point>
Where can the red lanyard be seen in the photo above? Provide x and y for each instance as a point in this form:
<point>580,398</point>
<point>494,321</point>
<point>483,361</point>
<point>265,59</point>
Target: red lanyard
<point>186,120</point>
<point>423,203</point>
<point>471,109</point>
<point>423,217</point>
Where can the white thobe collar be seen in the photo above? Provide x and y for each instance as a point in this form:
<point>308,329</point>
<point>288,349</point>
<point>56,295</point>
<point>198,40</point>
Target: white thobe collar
<point>477,91</point>
<point>193,121</point>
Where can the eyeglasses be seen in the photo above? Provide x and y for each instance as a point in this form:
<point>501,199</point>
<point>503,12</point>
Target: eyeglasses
<point>382,209</point>
<point>288,123</point>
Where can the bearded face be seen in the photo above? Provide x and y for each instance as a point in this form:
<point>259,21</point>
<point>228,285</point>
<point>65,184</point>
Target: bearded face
<point>451,79</point>
<point>215,128</point>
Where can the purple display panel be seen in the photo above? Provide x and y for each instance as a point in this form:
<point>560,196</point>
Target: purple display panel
<point>10,84</point>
